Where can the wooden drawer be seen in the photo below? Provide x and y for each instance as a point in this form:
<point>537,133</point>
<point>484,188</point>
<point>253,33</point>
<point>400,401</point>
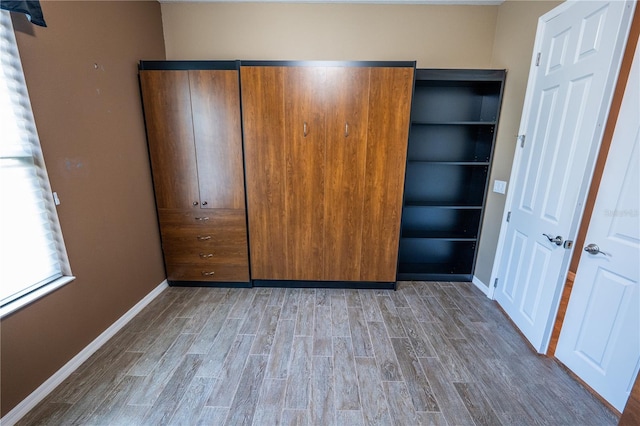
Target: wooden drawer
<point>189,272</point>
<point>206,254</point>
<point>201,241</point>
<point>202,217</point>
<point>206,238</point>
<point>221,228</point>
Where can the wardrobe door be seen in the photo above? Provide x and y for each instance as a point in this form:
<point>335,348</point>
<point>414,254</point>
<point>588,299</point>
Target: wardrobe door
<point>388,131</point>
<point>167,108</point>
<point>215,105</point>
<point>347,91</point>
<point>265,153</point>
<point>304,90</point>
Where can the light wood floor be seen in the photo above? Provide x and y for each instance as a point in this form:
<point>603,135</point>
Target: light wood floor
<point>429,353</point>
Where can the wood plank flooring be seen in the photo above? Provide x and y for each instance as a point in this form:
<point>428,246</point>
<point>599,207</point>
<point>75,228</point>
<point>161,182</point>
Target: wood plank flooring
<point>427,354</point>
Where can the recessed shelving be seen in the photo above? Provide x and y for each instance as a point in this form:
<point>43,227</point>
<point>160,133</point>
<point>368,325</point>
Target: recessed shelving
<point>442,235</point>
<point>454,118</point>
<point>452,163</point>
<point>454,123</point>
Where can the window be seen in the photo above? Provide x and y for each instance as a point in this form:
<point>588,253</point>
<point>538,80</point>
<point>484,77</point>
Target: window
<point>33,258</point>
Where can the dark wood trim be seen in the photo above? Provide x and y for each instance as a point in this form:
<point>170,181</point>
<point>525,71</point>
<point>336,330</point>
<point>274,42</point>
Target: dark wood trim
<point>326,284</point>
<point>561,365</point>
<point>388,64</point>
<point>187,65</point>
<point>562,311</point>
<point>575,377</point>
<point>631,413</point>
<point>209,284</point>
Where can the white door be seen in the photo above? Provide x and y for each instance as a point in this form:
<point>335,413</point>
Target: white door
<point>568,95</point>
<point>600,338</point>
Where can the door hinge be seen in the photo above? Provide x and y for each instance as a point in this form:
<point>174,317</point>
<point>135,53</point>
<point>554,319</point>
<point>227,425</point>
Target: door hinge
<point>538,59</point>
<point>521,139</point>
<point>508,216</point>
<point>495,283</point>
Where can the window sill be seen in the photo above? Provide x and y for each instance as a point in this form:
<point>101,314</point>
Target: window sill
<point>29,298</point>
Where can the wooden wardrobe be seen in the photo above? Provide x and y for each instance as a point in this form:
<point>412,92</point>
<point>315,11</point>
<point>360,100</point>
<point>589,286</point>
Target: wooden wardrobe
<point>192,115</point>
<point>325,149</point>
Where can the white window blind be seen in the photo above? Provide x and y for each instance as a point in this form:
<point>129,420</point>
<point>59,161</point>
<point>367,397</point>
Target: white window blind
<point>32,252</point>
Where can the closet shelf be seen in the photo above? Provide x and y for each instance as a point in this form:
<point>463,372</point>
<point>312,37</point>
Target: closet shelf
<point>453,123</point>
<point>453,119</point>
<point>451,163</point>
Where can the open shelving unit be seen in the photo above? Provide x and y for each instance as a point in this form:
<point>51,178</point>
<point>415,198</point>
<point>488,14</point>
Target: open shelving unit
<point>454,118</point>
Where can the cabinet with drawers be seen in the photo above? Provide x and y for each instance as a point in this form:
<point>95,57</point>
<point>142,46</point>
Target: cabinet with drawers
<point>192,115</point>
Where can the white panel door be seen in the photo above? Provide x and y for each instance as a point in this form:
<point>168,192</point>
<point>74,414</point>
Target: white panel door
<point>600,338</point>
<point>567,101</point>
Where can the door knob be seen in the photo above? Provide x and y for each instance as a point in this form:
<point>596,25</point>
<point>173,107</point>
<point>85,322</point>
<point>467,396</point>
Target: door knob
<point>556,240</point>
<point>594,249</point>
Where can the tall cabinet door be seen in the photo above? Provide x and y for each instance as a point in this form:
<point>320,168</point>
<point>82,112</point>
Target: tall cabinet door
<point>388,132</point>
<point>266,169</point>
<point>305,169</point>
<point>347,91</point>
<point>215,105</point>
<point>194,134</point>
<point>167,106</point>
<point>325,151</point>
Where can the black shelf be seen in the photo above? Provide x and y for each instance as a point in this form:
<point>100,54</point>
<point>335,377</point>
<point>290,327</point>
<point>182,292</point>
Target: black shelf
<point>455,204</point>
<point>434,251</point>
<point>431,272</point>
<point>454,123</point>
<point>452,163</point>
<point>432,268</point>
<point>440,222</point>
<point>454,117</point>
<point>442,184</point>
<point>434,235</point>
<point>447,142</point>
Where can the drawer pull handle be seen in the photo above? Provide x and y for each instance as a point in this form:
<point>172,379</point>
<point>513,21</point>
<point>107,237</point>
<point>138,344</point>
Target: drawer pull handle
<point>207,274</point>
<point>204,238</point>
<point>202,218</point>
<point>206,255</point>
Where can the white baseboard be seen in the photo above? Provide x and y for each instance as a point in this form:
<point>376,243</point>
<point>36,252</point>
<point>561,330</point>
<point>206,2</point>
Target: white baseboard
<point>59,376</point>
<point>481,286</point>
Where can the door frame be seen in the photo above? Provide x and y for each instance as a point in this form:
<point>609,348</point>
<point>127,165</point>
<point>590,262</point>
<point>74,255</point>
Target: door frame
<point>591,163</point>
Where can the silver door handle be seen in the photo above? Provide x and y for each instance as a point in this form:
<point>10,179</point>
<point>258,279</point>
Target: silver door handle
<point>594,249</point>
<point>556,240</point>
